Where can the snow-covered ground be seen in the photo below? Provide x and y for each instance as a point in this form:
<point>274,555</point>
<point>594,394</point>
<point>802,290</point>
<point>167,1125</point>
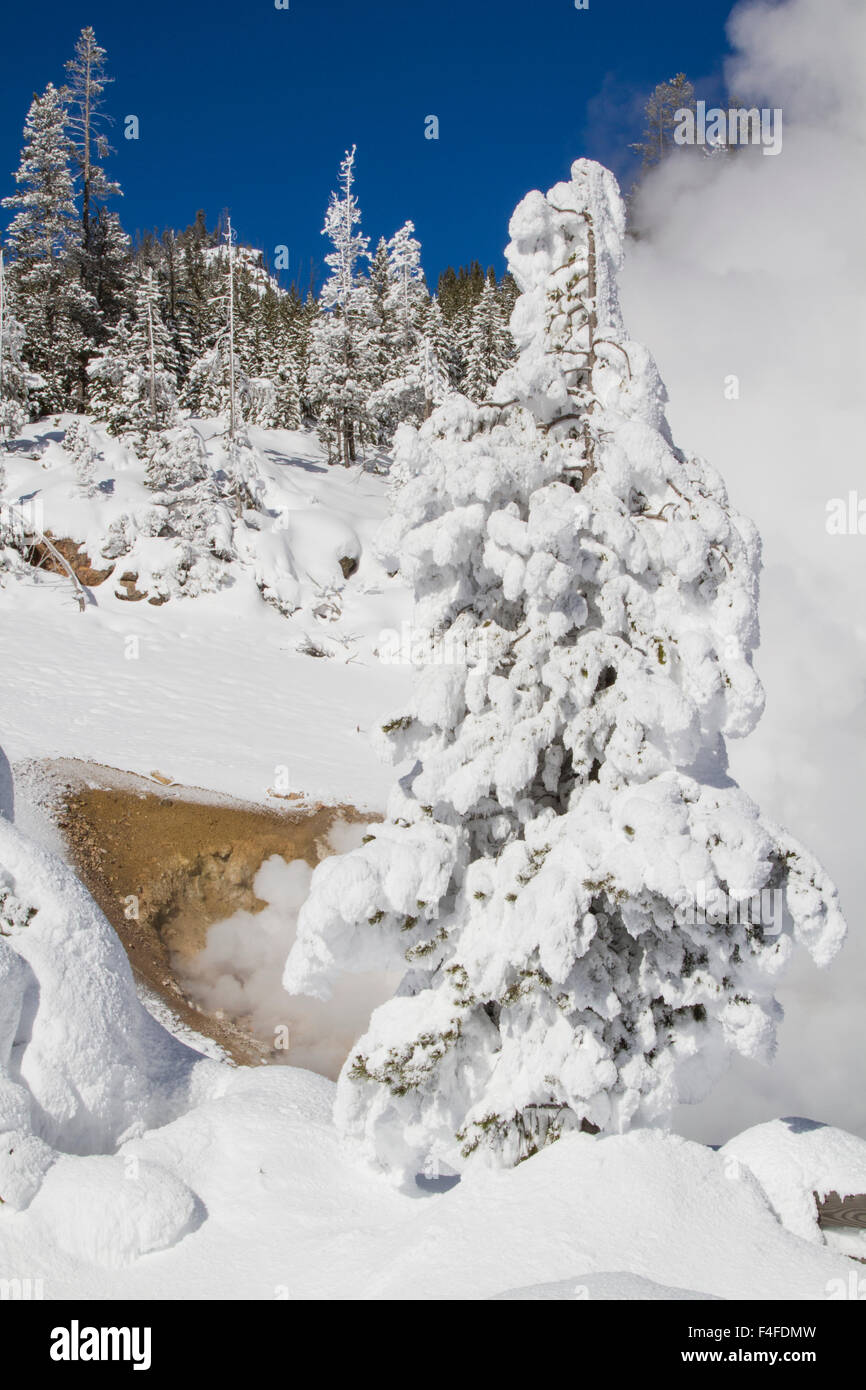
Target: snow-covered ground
<point>141,1168</point>
<point>212,692</point>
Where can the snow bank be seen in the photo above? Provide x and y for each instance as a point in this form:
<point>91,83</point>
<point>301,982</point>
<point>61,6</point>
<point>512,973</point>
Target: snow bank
<point>795,1160</point>
<point>83,1066</point>
<point>238,1177</point>
<point>108,1212</point>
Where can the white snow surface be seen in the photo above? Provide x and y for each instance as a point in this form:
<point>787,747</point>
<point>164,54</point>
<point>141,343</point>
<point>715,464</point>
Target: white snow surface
<point>133,1166</point>
<point>216,691</point>
<point>795,1159</point>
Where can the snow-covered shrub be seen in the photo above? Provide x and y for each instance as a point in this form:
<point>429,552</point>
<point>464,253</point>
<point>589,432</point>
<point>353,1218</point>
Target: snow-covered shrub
<point>263,408</point>
<point>243,483</point>
<point>78,444</point>
<point>190,512</point>
<point>120,537</point>
<point>181,569</point>
<point>568,805</point>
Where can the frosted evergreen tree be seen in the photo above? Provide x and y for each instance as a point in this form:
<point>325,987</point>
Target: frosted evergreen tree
<point>176,461</point>
<point>44,242</point>
<point>593,599</point>
<point>243,477</point>
<point>338,346</point>
<point>186,493</point>
<point>217,384</point>
<point>408,296</point>
<point>134,378</point>
<point>280,362</point>
<point>489,345</point>
<point>382,350</point>
<point>17,382</point>
<point>208,388</point>
<point>406,367</point>
<point>438,331</point>
<point>83,98</point>
<point>112,256</point>
<point>104,252</point>
<point>79,445</point>
<point>108,374</point>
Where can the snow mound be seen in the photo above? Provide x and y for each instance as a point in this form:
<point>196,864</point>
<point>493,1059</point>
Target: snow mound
<point>648,1204</point>
<point>83,1066</point>
<point>110,1212</point>
<point>617,1286</point>
<point>794,1160</point>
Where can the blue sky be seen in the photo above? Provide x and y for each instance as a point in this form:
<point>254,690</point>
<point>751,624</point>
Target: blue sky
<point>248,107</point>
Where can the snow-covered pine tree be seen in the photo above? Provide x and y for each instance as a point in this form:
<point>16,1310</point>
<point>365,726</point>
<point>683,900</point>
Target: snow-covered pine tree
<point>593,598</point>
<point>208,388</point>
<point>134,379</point>
<point>244,484</point>
<point>78,444</point>
<point>217,384</point>
<point>489,345</point>
<point>108,374</point>
<point>186,493</point>
<point>278,363</point>
<point>338,340</point>
<point>408,295</point>
<point>112,265</point>
<point>103,254</point>
<point>382,330</point>
<point>406,369</point>
<point>198,311</point>
<point>17,382</point>
<point>83,97</point>
<point>436,328</point>
<point>44,242</point>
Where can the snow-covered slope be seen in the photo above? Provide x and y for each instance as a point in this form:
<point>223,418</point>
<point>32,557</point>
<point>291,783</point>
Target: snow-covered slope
<point>135,1168</point>
<point>218,691</point>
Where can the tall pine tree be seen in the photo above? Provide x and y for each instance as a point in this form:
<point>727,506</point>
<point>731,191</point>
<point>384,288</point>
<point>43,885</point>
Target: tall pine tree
<point>592,598</point>
<point>339,342</point>
<point>44,240</point>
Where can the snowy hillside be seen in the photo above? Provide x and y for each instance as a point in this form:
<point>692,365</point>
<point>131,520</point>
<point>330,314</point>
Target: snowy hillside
<point>272,667</point>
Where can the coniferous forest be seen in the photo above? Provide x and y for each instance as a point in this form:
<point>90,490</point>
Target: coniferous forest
<point>189,320</point>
